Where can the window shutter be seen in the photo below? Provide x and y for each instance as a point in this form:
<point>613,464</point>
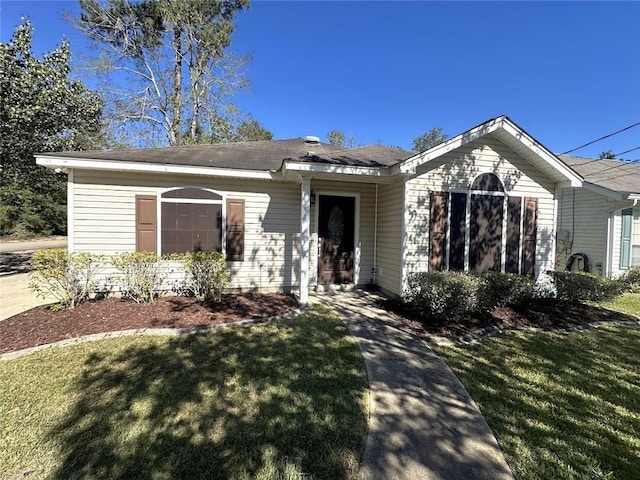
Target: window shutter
<point>625,244</point>
<point>514,206</point>
<point>146,223</point>
<point>529,236</point>
<point>437,230</point>
<point>235,230</point>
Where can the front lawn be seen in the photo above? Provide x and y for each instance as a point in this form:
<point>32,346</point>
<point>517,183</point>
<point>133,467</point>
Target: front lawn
<point>282,400</point>
<point>562,406</point>
<point>627,303</point>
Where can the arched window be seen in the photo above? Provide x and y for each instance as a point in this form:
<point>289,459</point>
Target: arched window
<point>191,220</point>
<point>487,182</point>
<point>483,229</point>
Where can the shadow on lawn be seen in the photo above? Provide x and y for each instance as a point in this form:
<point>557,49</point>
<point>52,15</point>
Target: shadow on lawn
<point>240,403</point>
<point>566,403</point>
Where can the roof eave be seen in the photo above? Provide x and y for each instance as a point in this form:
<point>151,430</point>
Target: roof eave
<point>297,169</point>
<point>607,192</point>
<point>502,123</point>
<point>52,161</point>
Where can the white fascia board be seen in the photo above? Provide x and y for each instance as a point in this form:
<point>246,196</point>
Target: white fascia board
<point>604,191</point>
<point>410,164</point>
<point>305,167</point>
<point>542,152</point>
<point>109,165</point>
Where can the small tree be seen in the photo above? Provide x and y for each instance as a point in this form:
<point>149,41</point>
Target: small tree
<point>41,110</point>
<point>335,137</point>
<point>429,139</point>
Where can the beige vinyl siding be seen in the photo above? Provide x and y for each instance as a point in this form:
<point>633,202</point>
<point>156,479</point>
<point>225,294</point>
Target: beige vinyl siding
<point>365,193</point>
<point>389,242</point>
<point>104,220</point>
<point>455,171</point>
<point>584,214</point>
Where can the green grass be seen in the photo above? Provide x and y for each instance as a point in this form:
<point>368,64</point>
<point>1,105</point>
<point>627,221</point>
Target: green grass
<point>625,303</point>
<point>562,406</point>
<point>277,401</point>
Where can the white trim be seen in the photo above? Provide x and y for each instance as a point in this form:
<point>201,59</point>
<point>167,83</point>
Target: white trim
<point>608,257</point>
<point>307,167</point>
<point>406,220</point>
<point>111,165</point>
<point>505,233</point>
<point>357,246</point>
<point>554,229</point>
<point>467,232</point>
<point>521,236</point>
<point>447,231</point>
<point>70,213</point>
<point>503,123</point>
<point>160,201</point>
<point>305,221</point>
<point>374,273</point>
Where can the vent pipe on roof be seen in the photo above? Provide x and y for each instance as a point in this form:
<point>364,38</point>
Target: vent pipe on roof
<point>311,139</point>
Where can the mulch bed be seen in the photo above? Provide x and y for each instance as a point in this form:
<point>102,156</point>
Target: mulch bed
<point>545,314</point>
<point>41,325</point>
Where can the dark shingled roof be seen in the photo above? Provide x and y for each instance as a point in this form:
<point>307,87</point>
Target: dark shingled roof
<point>260,155</point>
<point>623,177</point>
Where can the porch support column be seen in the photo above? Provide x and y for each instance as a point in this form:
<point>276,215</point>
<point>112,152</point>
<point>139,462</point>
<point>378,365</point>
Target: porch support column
<point>305,220</point>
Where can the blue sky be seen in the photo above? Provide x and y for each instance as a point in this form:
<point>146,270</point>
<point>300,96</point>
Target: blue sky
<point>567,72</point>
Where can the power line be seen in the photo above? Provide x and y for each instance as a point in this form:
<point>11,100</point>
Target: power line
<point>626,151</point>
<point>601,138</point>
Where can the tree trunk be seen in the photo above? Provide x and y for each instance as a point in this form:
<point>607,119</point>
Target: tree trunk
<point>175,136</point>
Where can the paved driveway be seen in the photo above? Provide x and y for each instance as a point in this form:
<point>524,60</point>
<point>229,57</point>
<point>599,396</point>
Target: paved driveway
<point>15,296</point>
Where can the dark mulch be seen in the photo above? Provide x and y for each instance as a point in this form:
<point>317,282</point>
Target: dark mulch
<point>41,325</point>
<point>545,314</point>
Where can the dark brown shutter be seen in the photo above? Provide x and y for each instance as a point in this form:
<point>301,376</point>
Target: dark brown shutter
<point>437,230</point>
<point>529,236</point>
<point>235,230</point>
<point>514,215</point>
<point>458,227</point>
<point>146,223</point>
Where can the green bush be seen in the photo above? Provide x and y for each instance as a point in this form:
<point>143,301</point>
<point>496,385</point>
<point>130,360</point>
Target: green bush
<point>441,295</point>
<point>497,289</point>
<point>140,275</point>
<point>581,287</point>
<point>631,279</point>
<point>69,277</point>
<point>206,277</point>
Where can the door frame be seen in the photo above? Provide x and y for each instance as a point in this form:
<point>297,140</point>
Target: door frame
<point>356,229</point>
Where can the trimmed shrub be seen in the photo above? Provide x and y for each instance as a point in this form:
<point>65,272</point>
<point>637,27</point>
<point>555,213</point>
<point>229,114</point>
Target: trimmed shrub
<point>582,287</point>
<point>69,277</point>
<point>497,289</point>
<point>140,275</point>
<point>206,275</point>
<point>441,295</point>
<point>631,279</point>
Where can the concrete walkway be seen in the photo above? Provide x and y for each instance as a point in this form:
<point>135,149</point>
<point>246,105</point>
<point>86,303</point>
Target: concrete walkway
<point>423,423</point>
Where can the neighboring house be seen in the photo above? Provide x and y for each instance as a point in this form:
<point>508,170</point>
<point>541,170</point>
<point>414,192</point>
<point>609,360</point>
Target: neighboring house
<point>602,219</point>
<point>296,214</point>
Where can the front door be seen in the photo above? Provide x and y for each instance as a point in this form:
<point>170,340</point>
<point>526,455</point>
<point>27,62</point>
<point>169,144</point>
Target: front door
<point>336,245</point>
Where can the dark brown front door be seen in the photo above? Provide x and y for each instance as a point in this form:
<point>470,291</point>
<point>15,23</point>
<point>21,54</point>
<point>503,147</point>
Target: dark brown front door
<point>336,224</point>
